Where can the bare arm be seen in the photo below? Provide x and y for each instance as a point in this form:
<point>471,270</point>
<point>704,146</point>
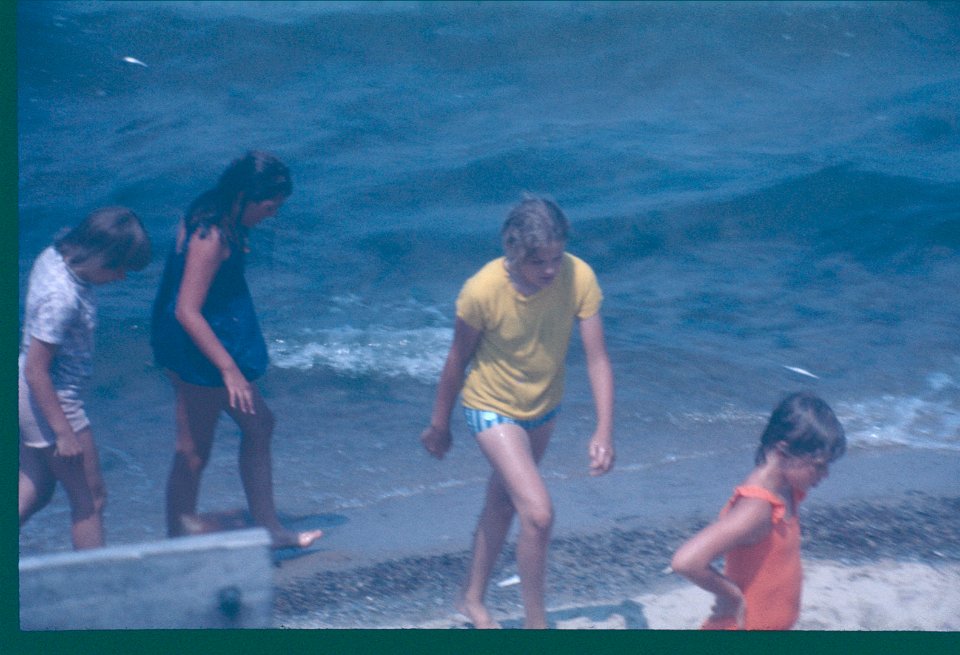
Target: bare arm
<point>37,375</point>
<point>747,522</point>
<point>204,257</point>
<point>600,372</point>
<point>437,438</point>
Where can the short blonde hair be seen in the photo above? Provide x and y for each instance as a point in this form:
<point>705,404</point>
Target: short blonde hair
<point>113,234</point>
<point>531,224</point>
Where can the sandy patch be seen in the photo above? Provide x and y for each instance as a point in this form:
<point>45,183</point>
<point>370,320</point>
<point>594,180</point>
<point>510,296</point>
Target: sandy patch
<point>883,595</point>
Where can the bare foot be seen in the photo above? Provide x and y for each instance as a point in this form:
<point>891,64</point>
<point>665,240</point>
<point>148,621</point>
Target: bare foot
<point>477,614</point>
<point>287,539</point>
<point>192,524</point>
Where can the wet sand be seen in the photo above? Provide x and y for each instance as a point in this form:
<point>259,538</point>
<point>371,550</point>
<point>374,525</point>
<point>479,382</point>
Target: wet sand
<point>881,552</point>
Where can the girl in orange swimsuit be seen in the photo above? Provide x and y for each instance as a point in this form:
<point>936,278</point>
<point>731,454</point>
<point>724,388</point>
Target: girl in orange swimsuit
<point>758,530</point>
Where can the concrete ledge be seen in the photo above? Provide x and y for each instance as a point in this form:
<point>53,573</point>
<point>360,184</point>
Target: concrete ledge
<point>222,580</point>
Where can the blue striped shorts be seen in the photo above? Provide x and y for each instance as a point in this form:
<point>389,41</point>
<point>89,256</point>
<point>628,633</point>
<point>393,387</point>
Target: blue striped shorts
<point>479,420</point>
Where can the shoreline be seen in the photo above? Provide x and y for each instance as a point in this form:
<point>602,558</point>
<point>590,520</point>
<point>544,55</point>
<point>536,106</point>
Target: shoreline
<point>854,553</point>
<point>655,494</point>
<point>880,536</point>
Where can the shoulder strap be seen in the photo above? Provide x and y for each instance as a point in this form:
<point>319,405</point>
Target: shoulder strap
<point>752,491</point>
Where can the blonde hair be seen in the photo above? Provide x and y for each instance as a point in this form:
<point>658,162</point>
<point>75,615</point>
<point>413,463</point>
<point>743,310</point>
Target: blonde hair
<point>115,235</point>
<point>531,224</point>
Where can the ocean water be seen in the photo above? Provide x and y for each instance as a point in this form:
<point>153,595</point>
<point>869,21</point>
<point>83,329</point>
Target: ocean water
<point>768,192</point>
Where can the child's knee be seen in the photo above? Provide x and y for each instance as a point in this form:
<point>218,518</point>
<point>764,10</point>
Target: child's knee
<point>93,508</point>
<point>260,429</point>
<point>501,507</point>
<point>538,517</point>
<point>99,493</point>
<point>45,493</point>
<point>189,459</point>
<point>269,418</point>
<point>33,498</point>
<point>98,489</point>
<point>82,507</point>
<point>265,421</point>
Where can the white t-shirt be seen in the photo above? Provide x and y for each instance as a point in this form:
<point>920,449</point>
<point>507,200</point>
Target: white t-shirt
<point>60,309</point>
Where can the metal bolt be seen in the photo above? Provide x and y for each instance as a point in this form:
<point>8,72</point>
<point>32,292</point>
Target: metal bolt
<point>231,601</point>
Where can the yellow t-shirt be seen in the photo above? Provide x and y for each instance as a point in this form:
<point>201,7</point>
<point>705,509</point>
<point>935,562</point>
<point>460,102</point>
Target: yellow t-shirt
<point>518,367</point>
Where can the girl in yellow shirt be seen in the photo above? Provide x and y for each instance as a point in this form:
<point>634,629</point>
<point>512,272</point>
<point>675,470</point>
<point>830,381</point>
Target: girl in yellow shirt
<point>513,326</point>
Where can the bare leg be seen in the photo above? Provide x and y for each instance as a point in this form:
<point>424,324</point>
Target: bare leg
<point>516,485</point>
<point>197,411</point>
<point>80,477</point>
<point>36,482</point>
<point>91,470</point>
<point>488,539</point>
<point>256,472</point>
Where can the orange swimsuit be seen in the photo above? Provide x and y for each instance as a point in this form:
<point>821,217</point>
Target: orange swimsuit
<point>768,572</point>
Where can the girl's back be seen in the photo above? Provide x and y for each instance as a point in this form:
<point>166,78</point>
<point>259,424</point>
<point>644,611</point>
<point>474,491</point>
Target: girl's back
<point>769,572</point>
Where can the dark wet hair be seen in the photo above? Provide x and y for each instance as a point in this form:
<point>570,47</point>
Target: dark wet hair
<point>114,235</point>
<point>255,177</point>
<point>806,425</point>
<point>531,224</point>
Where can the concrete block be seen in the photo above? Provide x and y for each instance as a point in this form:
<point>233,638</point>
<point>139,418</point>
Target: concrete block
<point>222,580</point>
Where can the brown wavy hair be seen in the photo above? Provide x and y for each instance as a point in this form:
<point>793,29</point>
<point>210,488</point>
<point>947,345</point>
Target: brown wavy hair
<point>255,177</point>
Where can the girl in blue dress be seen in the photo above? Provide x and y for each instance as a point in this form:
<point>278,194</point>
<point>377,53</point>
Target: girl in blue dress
<point>206,335</point>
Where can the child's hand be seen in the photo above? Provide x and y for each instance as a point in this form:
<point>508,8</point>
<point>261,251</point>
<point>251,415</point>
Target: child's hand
<point>68,446</point>
<point>239,391</point>
<point>730,608</point>
<point>437,441</point>
<point>601,455</point>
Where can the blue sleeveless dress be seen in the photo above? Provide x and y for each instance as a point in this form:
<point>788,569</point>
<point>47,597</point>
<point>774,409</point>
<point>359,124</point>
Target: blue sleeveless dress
<point>229,311</point>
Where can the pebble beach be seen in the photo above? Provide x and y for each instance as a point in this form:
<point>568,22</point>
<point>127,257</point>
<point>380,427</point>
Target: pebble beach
<point>872,563</point>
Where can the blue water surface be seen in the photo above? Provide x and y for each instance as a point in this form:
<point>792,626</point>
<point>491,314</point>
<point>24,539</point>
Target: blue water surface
<point>768,192</point>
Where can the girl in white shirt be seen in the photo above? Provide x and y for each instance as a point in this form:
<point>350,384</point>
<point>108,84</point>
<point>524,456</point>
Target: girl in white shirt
<point>56,354</point>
